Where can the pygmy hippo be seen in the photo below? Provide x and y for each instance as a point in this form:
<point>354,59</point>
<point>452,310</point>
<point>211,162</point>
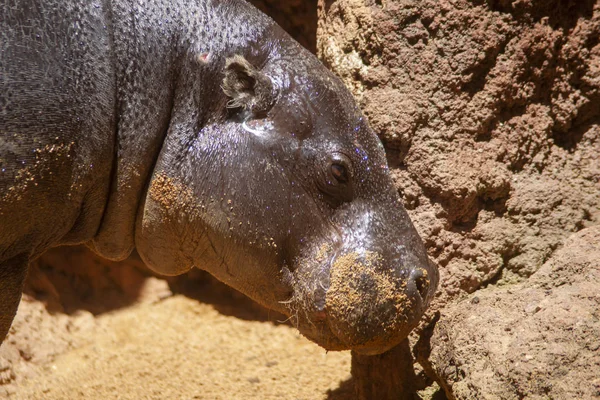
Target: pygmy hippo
<point>201,134</point>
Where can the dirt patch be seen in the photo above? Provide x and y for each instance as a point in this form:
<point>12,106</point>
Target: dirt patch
<point>92,328</point>
<point>361,296</point>
<point>169,192</point>
<point>179,348</point>
<point>52,157</point>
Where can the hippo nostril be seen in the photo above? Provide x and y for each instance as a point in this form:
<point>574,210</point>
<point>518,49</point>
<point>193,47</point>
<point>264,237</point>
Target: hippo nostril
<point>421,282</point>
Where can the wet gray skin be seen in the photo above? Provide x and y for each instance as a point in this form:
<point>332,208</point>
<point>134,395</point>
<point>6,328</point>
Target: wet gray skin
<point>202,135</point>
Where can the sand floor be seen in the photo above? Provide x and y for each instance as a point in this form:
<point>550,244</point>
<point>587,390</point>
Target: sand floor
<point>179,348</point>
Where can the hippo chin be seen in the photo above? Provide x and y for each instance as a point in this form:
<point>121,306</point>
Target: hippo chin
<point>201,134</point>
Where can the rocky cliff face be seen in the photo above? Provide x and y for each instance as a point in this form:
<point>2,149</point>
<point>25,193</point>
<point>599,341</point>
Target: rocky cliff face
<point>490,113</point>
<point>297,17</point>
<point>536,339</point>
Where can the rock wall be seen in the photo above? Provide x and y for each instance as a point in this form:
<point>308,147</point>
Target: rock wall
<point>490,112</point>
<point>537,339</point>
<point>297,17</point>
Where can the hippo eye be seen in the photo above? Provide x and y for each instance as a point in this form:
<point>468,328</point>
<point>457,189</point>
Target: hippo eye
<point>339,172</point>
<point>335,180</point>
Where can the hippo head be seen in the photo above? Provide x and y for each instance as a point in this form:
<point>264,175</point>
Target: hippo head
<point>271,180</point>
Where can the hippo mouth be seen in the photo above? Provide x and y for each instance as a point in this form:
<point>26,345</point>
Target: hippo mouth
<point>353,303</point>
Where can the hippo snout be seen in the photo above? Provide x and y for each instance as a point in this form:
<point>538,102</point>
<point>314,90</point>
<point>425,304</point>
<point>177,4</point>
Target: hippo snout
<point>362,300</point>
<point>370,307</point>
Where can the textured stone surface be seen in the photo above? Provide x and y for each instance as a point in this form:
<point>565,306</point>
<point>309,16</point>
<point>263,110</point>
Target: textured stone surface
<point>537,339</point>
<point>297,17</point>
<point>489,114</point>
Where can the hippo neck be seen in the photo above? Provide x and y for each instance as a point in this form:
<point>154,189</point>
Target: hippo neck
<point>151,49</point>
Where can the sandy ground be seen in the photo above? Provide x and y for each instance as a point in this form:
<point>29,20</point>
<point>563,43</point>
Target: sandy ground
<point>161,346</point>
<point>182,349</point>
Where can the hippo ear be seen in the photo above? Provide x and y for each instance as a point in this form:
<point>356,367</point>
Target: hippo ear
<point>247,87</point>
